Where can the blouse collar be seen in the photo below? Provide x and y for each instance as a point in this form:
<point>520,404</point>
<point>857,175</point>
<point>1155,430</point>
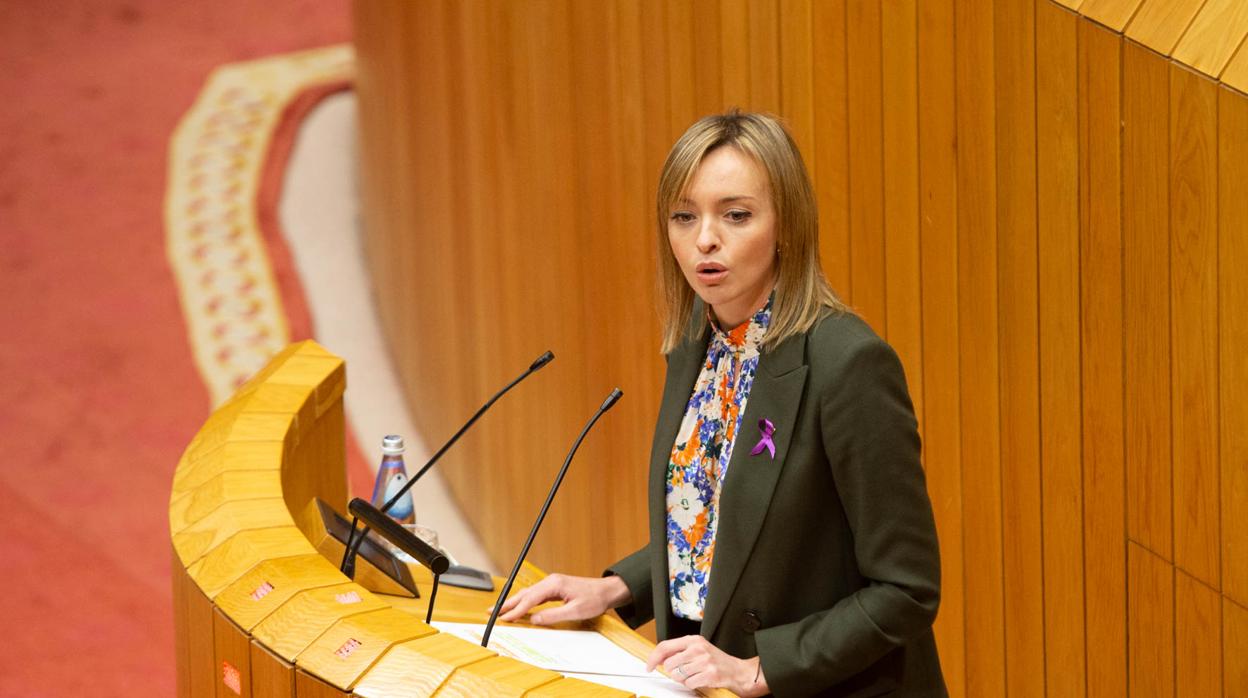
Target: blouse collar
<point>746,337</point>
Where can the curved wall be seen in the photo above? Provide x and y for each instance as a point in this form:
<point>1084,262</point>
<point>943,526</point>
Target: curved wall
<point>1041,207</point>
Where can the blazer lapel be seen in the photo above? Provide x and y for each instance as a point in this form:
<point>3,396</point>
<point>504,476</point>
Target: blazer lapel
<point>775,395</point>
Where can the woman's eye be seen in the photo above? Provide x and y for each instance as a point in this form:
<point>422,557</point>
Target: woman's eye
<point>738,216</point>
<point>682,217</point>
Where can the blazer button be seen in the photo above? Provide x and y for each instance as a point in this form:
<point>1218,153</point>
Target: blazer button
<point>750,621</point>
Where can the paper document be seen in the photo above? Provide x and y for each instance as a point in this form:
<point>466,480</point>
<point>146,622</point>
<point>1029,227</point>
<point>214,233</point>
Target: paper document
<point>583,654</point>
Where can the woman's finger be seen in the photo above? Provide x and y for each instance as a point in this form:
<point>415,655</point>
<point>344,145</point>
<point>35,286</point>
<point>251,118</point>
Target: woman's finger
<point>664,650</point>
<point>523,601</point>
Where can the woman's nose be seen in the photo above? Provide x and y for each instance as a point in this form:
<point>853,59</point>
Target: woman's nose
<point>708,237</point>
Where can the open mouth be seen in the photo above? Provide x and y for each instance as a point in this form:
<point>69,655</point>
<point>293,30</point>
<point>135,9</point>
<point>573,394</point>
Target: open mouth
<point>711,271</point>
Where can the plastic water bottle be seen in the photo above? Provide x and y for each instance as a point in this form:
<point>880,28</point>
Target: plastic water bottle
<point>391,477</point>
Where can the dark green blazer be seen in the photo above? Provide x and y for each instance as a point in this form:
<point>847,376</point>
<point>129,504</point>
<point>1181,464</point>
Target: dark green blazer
<point>826,563</point>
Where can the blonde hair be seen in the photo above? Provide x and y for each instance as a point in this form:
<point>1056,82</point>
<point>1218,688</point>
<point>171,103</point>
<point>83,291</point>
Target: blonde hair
<point>802,293</point>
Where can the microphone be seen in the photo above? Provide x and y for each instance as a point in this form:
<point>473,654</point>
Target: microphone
<point>347,566</point>
<point>404,540</point>
<point>524,552</point>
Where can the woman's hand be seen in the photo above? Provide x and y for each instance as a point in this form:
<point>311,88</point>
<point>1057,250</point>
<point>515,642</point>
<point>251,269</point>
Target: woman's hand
<point>582,597</point>
<point>695,662</point>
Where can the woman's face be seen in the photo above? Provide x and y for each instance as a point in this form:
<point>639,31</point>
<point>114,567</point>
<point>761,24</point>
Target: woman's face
<point>723,235</point>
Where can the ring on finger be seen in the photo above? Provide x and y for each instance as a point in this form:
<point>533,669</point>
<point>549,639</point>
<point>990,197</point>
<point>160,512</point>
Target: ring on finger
<point>681,670</point>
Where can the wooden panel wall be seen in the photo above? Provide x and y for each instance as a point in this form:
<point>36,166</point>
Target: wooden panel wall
<point>1042,205</point>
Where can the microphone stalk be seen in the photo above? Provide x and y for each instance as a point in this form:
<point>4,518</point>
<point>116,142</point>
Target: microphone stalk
<point>524,552</point>
<point>347,566</point>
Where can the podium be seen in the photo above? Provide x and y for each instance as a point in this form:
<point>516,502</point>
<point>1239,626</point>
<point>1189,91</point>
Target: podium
<point>258,611</point>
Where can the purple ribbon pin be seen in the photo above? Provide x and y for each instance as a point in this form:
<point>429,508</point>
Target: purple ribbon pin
<point>765,426</point>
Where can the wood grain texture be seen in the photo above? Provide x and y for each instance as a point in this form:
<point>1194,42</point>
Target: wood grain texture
<point>866,178</point>
<point>271,676</point>
<point>978,349</point>
<point>831,154</point>
<point>349,647</point>
<point>1193,322</point>
<point>202,671</point>
<point>1146,297</point>
<point>1234,649</point>
<point>296,623</point>
<point>900,132</point>
<point>1232,338</point>
<point>418,667</point>
<point>1150,628</point>
<point>1111,13</point>
<point>1236,73</point>
<point>1035,210</point>
<point>1158,24</point>
<point>496,676</point>
<point>938,215</point>
<point>1101,347</point>
<point>1197,638</point>
<point>310,686</point>
<point>1023,577</point>
<point>1214,35</point>
<point>1060,430</point>
<point>764,52</point>
<point>231,653</point>
<point>181,626</point>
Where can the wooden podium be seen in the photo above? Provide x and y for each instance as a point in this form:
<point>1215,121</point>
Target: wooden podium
<point>259,612</point>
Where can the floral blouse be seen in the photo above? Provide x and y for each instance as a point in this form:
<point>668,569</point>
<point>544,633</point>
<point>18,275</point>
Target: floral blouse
<point>699,460</point>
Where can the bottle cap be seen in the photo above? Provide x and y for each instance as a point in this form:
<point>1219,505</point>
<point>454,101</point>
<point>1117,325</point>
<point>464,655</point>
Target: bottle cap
<point>392,445</point>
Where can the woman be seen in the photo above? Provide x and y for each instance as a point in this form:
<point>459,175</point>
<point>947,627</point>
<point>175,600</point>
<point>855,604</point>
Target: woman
<point>792,545</point>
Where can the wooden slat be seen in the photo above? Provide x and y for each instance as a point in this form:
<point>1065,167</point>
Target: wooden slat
<point>244,550</point>
<point>1197,638</point>
<point>202,671</point>
<point>734,33</point>
<point>1233,338</point>
<point>1020,386</point>
<point>1194,321</point>
<point>1218,29</point>
<point>707,85</point>
<point>938,215</point>
<point>979,373</point>
<point>1111,13</point>
<point>797,75</point>
<point>311,686</point>
<point>350,646</point>
<point>181,625</point>
<point>292,627</point>
<point>418,667</point>
<point>496,676</point>
<point>831,154</point>
<point>1234,649</point>
<point>271,676</point>
<point>230,486</point>
<point>232,657</point>
<point>1236,72</point>
<point>1150,629</point>
<point>900,132</point>
<point>272,583</point>
<point>1146,296</point>
<point>1101,340</point>
<point>1062,485</point>
<point>679,21</point>
<point>1158,24</point>
<point>197,539</point>
<point>866,196</point>
<point>764,55</point>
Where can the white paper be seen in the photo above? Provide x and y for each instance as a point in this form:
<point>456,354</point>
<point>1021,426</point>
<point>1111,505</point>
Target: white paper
<point>583,654</point>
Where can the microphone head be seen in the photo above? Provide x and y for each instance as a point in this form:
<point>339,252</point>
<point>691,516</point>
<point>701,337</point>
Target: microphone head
<point>542,360</point>
<point>613,398</point>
